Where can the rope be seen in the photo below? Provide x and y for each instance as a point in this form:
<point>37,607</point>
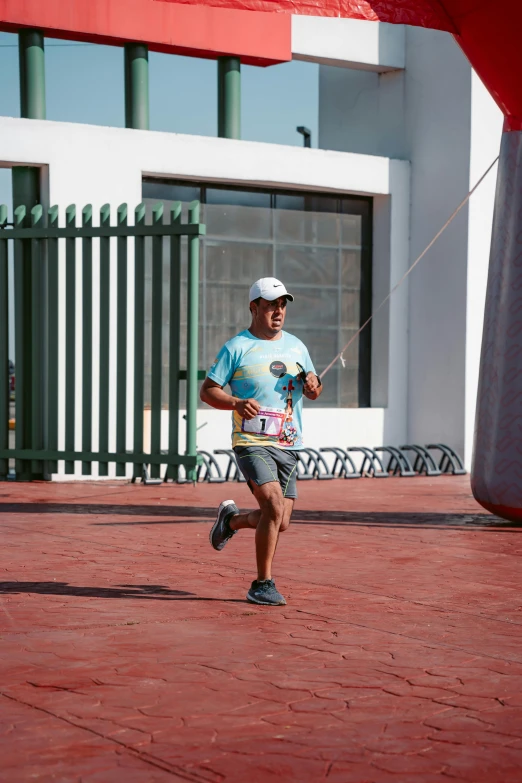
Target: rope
<point>410,270</point>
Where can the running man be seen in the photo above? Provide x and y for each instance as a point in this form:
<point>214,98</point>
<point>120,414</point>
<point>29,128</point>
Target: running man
<point>268,370</point>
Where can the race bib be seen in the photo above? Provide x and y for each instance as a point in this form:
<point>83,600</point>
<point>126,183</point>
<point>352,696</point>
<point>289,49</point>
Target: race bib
<point>268,422</point>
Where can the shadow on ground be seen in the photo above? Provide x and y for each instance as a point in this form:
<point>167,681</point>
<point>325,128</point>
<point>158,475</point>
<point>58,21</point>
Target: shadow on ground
<point>155,515</point>
<point>157,592</point>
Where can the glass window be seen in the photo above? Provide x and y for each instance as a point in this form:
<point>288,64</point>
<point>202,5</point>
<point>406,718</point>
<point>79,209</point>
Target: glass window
<point>319,245</point>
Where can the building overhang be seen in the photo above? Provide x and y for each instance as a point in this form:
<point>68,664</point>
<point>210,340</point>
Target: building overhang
<point>192,30</point>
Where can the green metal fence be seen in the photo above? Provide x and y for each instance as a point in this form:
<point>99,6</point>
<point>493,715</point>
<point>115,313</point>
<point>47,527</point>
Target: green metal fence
<point>38,244</point>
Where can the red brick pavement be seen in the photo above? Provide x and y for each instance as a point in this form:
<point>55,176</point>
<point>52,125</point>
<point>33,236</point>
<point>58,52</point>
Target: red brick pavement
<point>128,652</point>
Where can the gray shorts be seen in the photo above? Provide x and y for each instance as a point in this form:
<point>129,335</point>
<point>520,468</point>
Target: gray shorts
<point>261,464</point>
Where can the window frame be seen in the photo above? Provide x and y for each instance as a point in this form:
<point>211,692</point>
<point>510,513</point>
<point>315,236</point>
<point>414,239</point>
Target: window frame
<point>345,203</point>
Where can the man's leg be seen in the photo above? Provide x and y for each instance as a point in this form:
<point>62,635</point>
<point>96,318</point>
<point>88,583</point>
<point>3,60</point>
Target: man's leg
<point>271,507</point>
<point>250,519</point>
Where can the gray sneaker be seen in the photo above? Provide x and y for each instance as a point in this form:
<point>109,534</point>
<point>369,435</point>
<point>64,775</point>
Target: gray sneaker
<point>265,593</point>
<point>221,532</point>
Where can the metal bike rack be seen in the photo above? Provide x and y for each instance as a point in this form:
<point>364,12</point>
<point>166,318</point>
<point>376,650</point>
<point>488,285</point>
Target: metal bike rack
<point>343,466</point>
<point>210,469</point>
<point>303,474</point>
<point>145,477</point>
<point>320,469</point>
<point>398,462</point>
<point>449,462</point>
<point>380,462</point>
<point>371,458</point>
<point>424,462</point>
<point>232,472</point>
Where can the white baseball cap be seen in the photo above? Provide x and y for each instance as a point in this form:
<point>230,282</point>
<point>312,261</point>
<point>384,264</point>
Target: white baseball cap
<point>269,288</point>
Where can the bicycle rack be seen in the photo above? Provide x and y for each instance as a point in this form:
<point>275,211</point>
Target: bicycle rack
<point>375,466</point>
<point>208,465</point>
<point>303,473</point>
<point>232,472</point>
<point>424,462</point>
<point>398,463</point>
<point>207,470</point>
<point>343,464</point>
<point>320,470</point>
<point>145,477</point>
<point>450,462</point>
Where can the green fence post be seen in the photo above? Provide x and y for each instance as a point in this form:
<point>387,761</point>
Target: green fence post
<point>70,338</point>
<point>156,340</point>
<point>23,296</point>
<point>37,341</point>
<point>174,339</point>
<point>139,337</point>
<point>192,337</point>
<point>104,342</point>
<point>121,342</point>
<point>136,86</point>
<point>229,97</point>
<point>52,343</point>
<point>4,346</point>
<point>87,339</point>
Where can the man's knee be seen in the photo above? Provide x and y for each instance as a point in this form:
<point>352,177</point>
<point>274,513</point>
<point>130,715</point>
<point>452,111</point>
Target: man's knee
<point>271,502</point>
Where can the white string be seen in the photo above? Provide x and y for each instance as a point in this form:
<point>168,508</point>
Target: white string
<point>405,275</point>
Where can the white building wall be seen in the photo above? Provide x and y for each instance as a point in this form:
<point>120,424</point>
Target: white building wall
<point>436,114</point>
<point>349,43</point>
<point>438,122</point>
<point>88,164</point>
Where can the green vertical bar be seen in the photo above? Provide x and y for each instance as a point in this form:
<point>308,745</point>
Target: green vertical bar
<point>22,343</point>
<point>26,194</point>
<point>157,318</point>
<point>139,335</point>
<point>4,346</point>
<point>192,336</point>
<point>136,86</point>
<point>105,290</point>
<point>52,343</point>
<point>32,74</point>
<point>37,346</point>
<point>121,344</point>
<point>26,186</point>
<point>229,97</point>
<point>87,340</point>
<point>70,337</point>
<point>174,338</point>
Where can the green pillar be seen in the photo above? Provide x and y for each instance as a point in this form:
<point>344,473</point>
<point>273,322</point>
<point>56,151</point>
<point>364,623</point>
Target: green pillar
<point>32,74</point>
<point>192,337</point>
<point>26,179</point>
<point>229,97</point>
<point>137,86</point>
<point>26,193</point>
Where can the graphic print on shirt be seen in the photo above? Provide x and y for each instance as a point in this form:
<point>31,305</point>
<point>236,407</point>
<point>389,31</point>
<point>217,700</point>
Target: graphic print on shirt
<point>271,373</point>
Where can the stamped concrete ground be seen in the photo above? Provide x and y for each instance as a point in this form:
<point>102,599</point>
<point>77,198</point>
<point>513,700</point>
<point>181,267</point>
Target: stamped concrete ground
<point>128,652</point>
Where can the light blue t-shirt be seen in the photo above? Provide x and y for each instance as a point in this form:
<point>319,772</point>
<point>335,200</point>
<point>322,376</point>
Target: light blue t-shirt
<point>266,371</point>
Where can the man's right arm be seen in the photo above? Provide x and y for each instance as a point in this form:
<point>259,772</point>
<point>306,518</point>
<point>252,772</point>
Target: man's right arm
<point>215,396</point>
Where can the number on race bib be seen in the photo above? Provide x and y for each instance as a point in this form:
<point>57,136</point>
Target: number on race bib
<point>268,422</point>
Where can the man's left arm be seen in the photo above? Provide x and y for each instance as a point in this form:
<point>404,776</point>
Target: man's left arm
<point>312,386</point>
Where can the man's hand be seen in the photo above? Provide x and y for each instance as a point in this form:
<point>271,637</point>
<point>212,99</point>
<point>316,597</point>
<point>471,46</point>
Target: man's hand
<point>247,409</point>
<point>312,387</point>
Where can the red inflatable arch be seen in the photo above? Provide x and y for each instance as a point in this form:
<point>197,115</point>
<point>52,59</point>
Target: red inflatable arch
<point>488,32</point>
